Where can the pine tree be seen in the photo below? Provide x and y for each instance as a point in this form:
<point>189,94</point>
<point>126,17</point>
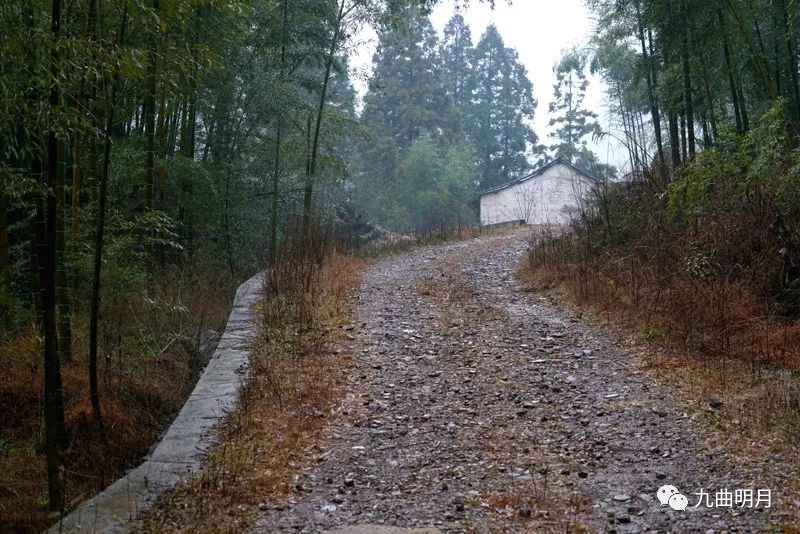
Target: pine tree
<point>406,97</point>
<point>457,63</point>
<point>503,110</point>
<point>573,123</point>
<point>405,100</point>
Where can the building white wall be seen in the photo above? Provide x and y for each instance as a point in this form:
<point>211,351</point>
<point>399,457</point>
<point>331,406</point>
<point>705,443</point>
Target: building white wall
<point>552,197</point>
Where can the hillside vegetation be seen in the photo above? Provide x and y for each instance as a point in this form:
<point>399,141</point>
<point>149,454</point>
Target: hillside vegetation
<point>698,244</point>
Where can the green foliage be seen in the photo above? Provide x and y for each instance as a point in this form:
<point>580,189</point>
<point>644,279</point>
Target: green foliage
<point>705,64</point>
<point>406,98</point>
<point>765,146</point>
<point>437,182</point>
<point>693,188</point>
<point>457,62</point>
<point>760,163</point>
<point>441,121</point>
<point>502,111</point>
<point>573,123</point>
<point>433,185</point>
<point>190,95</point>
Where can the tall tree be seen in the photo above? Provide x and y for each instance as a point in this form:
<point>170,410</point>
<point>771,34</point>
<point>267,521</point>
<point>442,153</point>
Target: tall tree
<point>276,171</point>
<point>149,110</point>
<point>54,400</point>
<point>573,123</point>
<point>169,143</point>
<point>503,111</point>
<point>406,97</point>
<point>688,95</point>
<point>346,7</point>
<point>650,76</point>
<point>109,103</point>
<point>456,57</point>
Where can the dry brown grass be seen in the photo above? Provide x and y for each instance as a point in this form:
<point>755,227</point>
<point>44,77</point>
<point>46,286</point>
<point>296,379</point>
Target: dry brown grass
<point>295,384</point>
<point>714,338</point>
<point>142,388</point>
<point>709,334</point>
<point>549,514</point>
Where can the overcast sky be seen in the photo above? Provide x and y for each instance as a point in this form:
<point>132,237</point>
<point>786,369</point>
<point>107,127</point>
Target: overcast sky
<point>539,30</point>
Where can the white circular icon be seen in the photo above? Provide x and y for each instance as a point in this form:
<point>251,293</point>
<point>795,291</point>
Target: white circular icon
<point>678,502</point>
<point>665,492</point>
<point>669,495</point>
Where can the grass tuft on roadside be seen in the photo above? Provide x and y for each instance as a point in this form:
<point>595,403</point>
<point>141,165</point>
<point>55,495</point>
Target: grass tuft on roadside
<point>295,383</point>
<point>715,340</point>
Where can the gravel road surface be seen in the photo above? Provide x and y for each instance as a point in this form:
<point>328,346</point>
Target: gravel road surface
<point>479,407</point>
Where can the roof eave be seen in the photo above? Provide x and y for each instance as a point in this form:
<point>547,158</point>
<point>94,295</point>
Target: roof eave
<point>539,170</point>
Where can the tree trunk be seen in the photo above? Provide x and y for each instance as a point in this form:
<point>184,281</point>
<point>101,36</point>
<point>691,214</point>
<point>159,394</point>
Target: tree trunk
<point>754,18</point>
<point>709,106</point>
<point>188,149</point>
<point>77,168</point>
<point>172,132</point>
<point>642,139</point>
<point>33,253</point>
<point>273,233</point>
<point>674,138</point>
<point>226,221</point>
<point>758,58</point>
<point>684,153</point>
<point>672,122</point>
<point>150,119</point>
<point>726,49</point>
<point>687,82</point>
<point>161,172</point>
<point>776,50</point>
<point>55,434</point>
<point>792,59</point>
<point>650,74</point>
<point>94,315</point>
<point>742,105</point>
<point>308,194</point>
<point>631,145</point>
<point>62,286</point>
<point>187,144</point>
<point>211,131</point>
<point>74,222</point>
<point>276,176</point>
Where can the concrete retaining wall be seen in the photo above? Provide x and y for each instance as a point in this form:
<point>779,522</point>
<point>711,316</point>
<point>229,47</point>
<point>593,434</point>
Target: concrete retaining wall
<point>186,443</point>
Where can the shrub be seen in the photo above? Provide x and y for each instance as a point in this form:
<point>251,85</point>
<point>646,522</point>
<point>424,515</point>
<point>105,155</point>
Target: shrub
<point>710,260</point>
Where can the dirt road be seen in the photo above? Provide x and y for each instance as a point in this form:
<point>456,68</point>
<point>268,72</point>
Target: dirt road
<point>479,407</point>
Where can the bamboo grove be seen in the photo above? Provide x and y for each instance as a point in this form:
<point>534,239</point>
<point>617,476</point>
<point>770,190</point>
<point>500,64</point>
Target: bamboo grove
<point>706,100</point>
<point>698,242</point>
<point>142,141</point>
<point>679,71</point>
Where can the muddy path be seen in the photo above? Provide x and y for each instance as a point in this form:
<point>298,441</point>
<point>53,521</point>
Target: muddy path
<point>478,407</point>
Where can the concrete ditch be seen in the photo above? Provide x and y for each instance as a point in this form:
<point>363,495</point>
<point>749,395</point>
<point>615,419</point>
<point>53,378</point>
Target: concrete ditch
<point>187,441</point>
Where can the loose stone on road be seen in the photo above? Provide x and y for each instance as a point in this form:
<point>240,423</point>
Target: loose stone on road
<point>479,407</point>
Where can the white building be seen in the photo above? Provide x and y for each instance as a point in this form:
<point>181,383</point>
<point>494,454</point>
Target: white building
<point>551,194</point>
